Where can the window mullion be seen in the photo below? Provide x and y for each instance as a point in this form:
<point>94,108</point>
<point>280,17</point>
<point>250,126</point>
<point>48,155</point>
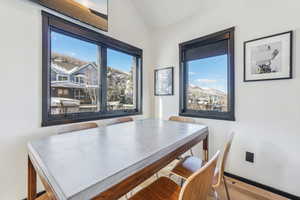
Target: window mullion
<point>103,78</point>
<point>137,82</point>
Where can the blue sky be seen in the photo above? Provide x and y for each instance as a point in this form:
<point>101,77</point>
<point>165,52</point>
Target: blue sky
<point>88,52</point>
<point>119,60</point>
<point>209,72</point>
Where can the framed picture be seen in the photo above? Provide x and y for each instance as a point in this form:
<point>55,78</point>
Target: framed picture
<point>163,81</point>
<point>268,58</point>
<point>91,12</point>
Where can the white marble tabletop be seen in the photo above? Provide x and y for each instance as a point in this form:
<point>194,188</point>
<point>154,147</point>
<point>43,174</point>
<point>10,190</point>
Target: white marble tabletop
<point>80,165</point>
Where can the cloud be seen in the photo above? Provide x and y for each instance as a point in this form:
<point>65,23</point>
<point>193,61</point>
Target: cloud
<point>192,73</point>
<point>72,54</point>
<point>206,81</point>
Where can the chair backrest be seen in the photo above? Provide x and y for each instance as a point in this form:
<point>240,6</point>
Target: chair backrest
<point>77,127</point>
<point>182,119</point>
<point>121,120</point>
<point>224,160</point>
<point>198,185</point>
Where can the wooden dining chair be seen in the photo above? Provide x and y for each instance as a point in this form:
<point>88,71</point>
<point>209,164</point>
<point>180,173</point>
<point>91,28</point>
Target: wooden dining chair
<point>77,127</point>
<point>197,186</point>
<point>183,119</point>
<point>186,168</point>
<point>121,120</point>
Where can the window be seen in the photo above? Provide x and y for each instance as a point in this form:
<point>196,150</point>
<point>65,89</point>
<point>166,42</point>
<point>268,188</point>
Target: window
<point>62,77</point>
<point>86,75</point>
<point>62,92</point>
<point>207,76</point>
<point>77,59</point>
<point>80,79</point>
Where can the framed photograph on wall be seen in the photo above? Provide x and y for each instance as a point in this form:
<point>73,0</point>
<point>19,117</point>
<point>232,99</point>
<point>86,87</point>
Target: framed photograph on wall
<point>268,58</point>
<point>164,81</point>
<point>91,12</point>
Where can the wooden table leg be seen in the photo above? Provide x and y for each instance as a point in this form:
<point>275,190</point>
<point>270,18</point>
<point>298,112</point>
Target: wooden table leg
<point>31,181</point>
<point>205,148</point>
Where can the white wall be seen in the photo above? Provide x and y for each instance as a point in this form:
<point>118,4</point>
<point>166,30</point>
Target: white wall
<point>20,82</point>
<point>267,113</point>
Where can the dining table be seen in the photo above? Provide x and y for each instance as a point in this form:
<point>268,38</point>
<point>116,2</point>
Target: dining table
<point>107,162</point>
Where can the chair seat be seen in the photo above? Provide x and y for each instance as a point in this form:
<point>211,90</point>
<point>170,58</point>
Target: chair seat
<point>43,197</point>
<point>161,189</point>
<point>189,165</point>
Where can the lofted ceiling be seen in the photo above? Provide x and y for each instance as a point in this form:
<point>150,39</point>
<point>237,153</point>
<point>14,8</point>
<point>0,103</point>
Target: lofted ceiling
<point>161,13</point>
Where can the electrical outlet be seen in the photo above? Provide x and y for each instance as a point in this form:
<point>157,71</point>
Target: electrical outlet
<point>250,157</point>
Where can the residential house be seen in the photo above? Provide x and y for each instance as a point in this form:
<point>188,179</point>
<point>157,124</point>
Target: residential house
<point>75,89</point>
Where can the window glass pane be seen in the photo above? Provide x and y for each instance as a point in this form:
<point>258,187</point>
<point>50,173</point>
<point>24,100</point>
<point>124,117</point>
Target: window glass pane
<point>207,84</point>
<point>121,83</point>
<point>74,75</point>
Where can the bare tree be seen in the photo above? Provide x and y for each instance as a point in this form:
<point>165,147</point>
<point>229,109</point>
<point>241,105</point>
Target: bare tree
<point>91,82</point>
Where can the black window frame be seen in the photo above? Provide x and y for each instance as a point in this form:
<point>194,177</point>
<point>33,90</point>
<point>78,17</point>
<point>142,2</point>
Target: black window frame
<point>57,24</point>
<point>227,34</point>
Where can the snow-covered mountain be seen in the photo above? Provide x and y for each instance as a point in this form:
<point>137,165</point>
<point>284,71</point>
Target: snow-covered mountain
<point>193,89</point>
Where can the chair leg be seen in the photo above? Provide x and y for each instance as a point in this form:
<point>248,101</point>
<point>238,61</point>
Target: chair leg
<point>215,194</point>
<point>226,188</point>
<point>181,182</point>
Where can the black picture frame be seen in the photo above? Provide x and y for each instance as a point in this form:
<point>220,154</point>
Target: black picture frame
<point>227,34</point>
<point>290,74</point>
<point>156,71</point>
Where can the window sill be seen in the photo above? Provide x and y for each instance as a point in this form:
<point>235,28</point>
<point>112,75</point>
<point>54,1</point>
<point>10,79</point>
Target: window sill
<point>59,121</point>
<point>209,115</point>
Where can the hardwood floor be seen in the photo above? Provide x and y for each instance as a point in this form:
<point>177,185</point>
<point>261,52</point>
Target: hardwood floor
<point>242,191</point>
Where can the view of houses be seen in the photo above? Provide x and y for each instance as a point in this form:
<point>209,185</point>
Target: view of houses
<point>120,92</point>
<point>207,99</point>
<point>75,86</point>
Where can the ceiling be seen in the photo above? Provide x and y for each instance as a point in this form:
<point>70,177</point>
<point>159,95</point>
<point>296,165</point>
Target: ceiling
<point>161,13</point>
